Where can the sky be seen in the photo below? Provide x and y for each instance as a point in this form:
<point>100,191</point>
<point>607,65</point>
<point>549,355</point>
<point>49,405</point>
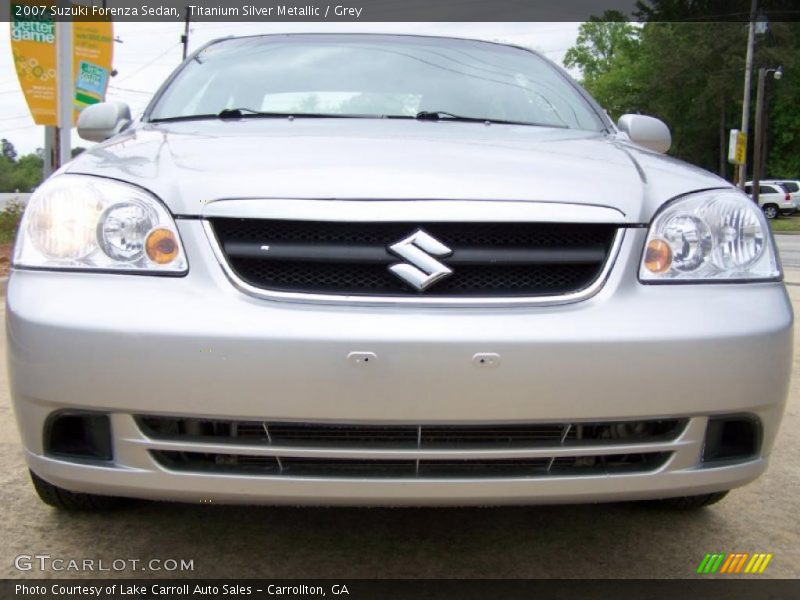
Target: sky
<point>148,52</point>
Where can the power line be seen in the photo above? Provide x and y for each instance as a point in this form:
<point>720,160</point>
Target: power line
<point>147,64</point>
<point>19,128</point>
<point>122,89</point>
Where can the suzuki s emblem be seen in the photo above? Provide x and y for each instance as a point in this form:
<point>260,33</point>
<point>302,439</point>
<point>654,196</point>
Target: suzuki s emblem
<point>421,270</point>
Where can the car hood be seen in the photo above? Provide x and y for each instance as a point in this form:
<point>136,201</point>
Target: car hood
<point>188,164</point>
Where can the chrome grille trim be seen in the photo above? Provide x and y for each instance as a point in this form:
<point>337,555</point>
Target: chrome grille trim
<point>383,211</point>
<point>391,454</point>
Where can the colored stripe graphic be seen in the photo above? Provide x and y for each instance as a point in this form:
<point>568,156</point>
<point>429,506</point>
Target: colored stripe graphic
<point>714,563</point>
<point>754,563</point>
<point>764,564</point>
<point>743,558</point>
<point>727,564</point>
<point>734,563</point>
<point>704,564</point>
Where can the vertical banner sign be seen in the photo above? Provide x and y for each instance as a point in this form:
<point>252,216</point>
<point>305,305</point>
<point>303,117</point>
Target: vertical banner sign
<point>92,48</point>
<point>33,45</point>
<point>737,146</point>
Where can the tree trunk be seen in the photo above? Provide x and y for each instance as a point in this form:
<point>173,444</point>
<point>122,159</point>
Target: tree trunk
<point>723,141</point>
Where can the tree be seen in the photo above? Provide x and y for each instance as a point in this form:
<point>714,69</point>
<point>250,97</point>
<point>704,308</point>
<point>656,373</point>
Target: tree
<point>689,72</point>
<point>601,41</point>
<point>19,175</point>
<point>8,151</point>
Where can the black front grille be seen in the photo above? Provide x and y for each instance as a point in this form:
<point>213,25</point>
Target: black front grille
<point>487,260</point>
<point>243,464</point>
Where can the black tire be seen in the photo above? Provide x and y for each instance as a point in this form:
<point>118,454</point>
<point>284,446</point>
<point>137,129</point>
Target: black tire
<point>75,501</point>
<point>690,502</point>
<point>771,211</point>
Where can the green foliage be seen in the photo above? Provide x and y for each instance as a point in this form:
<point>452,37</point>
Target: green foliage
<point>21,174</point>
<point>601,41</point>
<point>786,224</point>
<point>690,74</point>
<point>7,149</point>
<point>9,221</point>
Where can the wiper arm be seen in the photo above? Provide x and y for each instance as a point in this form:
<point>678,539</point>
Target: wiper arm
<point>239,113</point>
<point>251,113</point>
<point>441,115</point>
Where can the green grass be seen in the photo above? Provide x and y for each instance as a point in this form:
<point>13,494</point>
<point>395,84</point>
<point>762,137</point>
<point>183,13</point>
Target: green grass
<point>786,224</point>
<point>9,221</point>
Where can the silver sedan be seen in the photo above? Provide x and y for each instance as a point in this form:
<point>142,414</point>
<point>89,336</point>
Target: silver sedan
<point>373,269</point>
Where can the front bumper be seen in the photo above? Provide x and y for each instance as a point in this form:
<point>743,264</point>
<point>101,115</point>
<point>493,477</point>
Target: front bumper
<point>195,346</point>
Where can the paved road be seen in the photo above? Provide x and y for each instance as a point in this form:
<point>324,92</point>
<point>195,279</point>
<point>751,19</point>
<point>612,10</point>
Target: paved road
<point>610,540</point>
<point>789,249</point>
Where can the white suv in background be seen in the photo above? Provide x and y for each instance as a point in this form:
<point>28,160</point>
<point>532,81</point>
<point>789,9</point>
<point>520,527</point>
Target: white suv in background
<point>792,186</point>
<point>772,198</point>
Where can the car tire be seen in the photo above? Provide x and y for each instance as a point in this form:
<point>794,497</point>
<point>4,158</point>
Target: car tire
<point>771,211</point>
<point>689,502</point>
<point>75,501</point>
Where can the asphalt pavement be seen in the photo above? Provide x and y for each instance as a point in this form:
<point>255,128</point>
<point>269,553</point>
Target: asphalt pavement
<point>789,249</point>
<point>589,541</point>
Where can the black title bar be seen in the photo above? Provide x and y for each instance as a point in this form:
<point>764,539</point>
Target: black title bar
<point>394,10</point>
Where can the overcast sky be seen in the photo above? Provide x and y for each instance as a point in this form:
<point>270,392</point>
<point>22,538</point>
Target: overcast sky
<point>150,51</point>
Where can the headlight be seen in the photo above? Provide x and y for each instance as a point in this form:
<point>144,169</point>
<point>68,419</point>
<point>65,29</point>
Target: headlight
<point>81,222</point>
<point>709,236</point>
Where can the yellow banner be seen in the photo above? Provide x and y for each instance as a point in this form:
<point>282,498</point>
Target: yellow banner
<point>33,45</point>
<point>741,148</point>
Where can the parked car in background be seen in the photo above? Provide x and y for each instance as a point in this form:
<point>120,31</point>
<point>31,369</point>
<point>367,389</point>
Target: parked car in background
<point>345,269</point>
<point>773,199</point>
<point>790,185</point>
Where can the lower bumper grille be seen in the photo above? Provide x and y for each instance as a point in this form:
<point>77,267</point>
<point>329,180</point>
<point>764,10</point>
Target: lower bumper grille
<point>401,451</point>
<point>243,464</point>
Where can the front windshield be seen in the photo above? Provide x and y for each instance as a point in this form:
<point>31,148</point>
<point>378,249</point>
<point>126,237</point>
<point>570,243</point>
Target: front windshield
<point>375,76</point>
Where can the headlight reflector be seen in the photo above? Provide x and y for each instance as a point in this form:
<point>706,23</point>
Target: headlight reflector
<point>122,229</point>
<point>711,236</point>
<point>82,222</point>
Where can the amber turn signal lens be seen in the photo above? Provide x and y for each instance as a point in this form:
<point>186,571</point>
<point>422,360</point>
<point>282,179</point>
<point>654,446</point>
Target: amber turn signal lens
<point>657,256</point>
<point>161,246</point>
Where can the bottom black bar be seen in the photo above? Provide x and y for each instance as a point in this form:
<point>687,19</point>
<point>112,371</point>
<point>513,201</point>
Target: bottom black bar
<point>462,589</point>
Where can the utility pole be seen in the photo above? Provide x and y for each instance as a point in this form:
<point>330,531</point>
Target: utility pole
<point>762,75</point>
<point>185,36</point>
<point>64,94</point>
<point>758,142</point>
<point>748,69</point>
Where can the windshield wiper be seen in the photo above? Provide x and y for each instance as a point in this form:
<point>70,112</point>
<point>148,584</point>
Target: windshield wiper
<point>250,113</point>
<point>240,113</point>
<point>441,115</point>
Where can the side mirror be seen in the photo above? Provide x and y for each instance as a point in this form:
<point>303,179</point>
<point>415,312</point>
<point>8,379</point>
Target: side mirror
<point>99,122</point>
<point>646,131</point>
